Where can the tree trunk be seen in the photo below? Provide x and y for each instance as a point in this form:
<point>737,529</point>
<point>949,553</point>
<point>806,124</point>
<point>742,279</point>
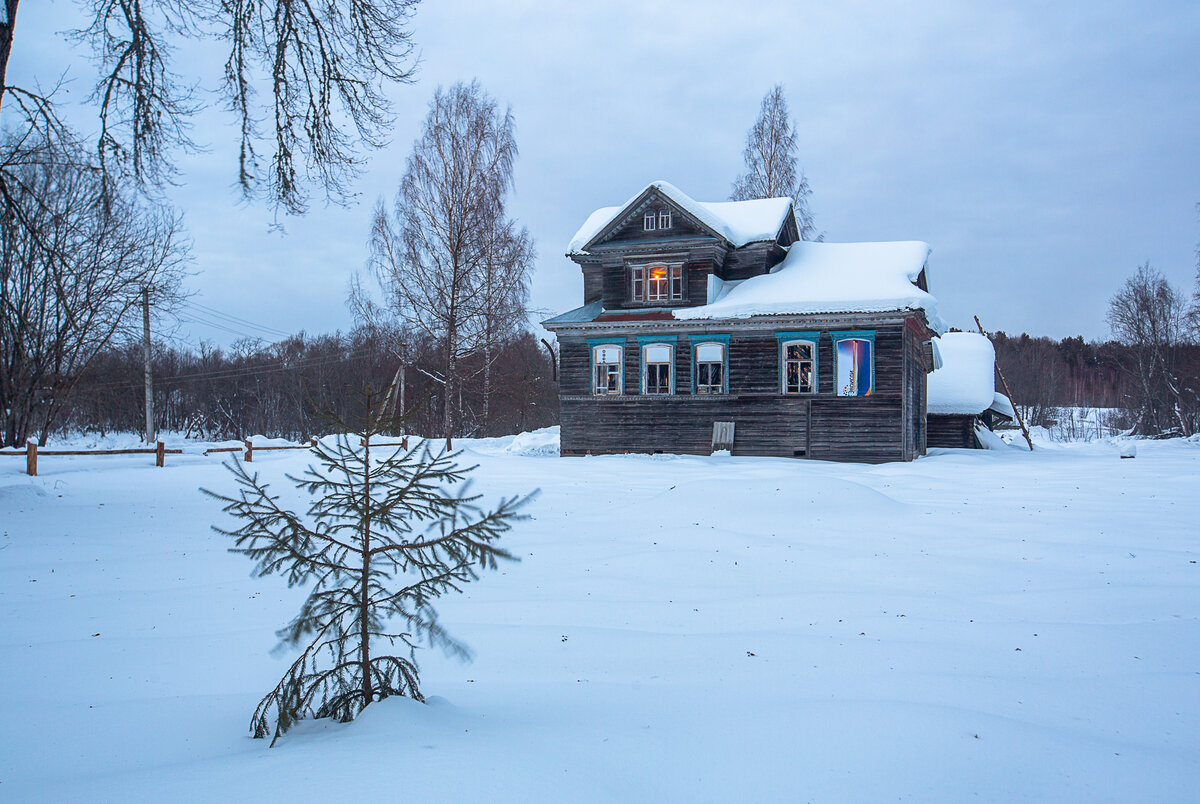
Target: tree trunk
<point>364,619</point>
<point>6,37</point>
<point>487,390</point>
<point>448,409</point>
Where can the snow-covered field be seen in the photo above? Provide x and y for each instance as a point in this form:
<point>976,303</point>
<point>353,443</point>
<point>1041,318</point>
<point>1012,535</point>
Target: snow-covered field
<point>974,625</point>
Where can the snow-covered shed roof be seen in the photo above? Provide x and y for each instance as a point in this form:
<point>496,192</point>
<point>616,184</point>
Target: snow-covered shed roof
<point>966,381</point>
<point>739,222</point>
<point>828,278</point>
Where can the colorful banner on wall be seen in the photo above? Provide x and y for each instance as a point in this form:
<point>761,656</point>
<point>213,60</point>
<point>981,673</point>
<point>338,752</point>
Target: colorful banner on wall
<point>855,376</point>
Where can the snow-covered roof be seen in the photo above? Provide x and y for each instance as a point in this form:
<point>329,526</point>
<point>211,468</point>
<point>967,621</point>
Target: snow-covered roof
<point>828,278</point>
<point>739,222</point>
<point>966,382</point>
<point>1002,405</point>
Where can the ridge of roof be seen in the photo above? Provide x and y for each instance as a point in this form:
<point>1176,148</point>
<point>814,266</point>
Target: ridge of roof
<point>739,222</point>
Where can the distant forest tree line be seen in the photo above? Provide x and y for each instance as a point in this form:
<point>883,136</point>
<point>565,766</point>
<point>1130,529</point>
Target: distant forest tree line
<point>283,389</point>
<point>1047,376</point>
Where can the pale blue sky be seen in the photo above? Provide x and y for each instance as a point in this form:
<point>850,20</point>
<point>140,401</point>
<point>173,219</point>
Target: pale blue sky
<point>1043,150</point>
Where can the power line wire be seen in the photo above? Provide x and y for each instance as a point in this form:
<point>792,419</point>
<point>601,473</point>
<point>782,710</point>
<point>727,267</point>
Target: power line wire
<point>212,312</point>
<point>221,374</point>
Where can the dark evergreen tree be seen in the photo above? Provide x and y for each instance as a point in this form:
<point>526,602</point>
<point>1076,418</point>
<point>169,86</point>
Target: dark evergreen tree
<point>383,536</point>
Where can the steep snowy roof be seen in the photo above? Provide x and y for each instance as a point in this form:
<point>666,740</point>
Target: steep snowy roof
<point>966,382</point>
<point>739,222</point>
<point>829,278</point>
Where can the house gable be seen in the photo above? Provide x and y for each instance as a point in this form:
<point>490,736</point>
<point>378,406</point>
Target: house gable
<point>628,226</point>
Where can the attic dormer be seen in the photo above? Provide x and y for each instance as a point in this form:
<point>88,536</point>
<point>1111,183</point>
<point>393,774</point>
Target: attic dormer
<point>660,248</point>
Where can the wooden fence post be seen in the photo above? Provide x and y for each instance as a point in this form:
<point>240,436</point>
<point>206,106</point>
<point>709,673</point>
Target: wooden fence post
<point>31,458</point>
<point>160,453</point>
<point>314,442</point>
<point>249,456</point>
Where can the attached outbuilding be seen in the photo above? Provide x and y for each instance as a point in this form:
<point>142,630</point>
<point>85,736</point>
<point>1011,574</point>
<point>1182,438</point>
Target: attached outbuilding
<point>962,391</point>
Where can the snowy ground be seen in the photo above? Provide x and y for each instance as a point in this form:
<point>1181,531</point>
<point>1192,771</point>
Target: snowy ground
<point>992,625</point>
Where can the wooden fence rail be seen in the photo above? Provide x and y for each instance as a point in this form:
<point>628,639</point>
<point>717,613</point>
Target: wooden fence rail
<point>160,451</point>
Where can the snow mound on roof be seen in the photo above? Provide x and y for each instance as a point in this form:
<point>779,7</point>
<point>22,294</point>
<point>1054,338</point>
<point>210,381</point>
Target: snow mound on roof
<point>739,222</point>
<point>965,384</point>
<point>830,278</point>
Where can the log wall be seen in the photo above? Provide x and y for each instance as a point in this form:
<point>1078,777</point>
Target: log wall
<point>886,426</point>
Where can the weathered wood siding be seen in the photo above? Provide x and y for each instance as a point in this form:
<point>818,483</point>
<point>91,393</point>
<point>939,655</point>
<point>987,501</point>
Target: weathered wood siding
<point>684,424</point>
<point>916,371</point>
<point>751,260</point>
<point>952,430</point>
<point>593,281</point>
<point>886,426</point>
<point>633,231</point>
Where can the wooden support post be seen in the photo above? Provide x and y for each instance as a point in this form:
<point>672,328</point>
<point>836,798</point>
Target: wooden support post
<point>313,440</point>
<point>249,456</point>
<point>1007,393</point>
<point>404,443</point>
<point>160,454</point>
<point>31,458</point>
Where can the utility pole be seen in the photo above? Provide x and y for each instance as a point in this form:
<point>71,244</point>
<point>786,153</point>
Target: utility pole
<point>146,354</point>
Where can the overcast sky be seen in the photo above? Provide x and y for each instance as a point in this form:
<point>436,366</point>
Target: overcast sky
<point>1042,150</point>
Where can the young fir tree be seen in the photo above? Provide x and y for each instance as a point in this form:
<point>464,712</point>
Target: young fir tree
<point>386,532</point>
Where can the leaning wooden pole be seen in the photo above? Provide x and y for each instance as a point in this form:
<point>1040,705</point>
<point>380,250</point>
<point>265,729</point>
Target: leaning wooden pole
<point>1007,393</point>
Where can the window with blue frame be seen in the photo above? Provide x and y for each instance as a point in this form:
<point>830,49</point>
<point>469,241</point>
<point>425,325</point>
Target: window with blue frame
<point>606,369</point>
<point>658,368</point>
<point>710,360</point>
<point>854,353</point>
<point>798,362</point>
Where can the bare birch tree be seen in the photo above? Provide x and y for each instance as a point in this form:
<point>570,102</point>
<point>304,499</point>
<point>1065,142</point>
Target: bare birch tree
<point>504,290</point>
<point>449,262</point>
<point>771,167</point>
<point>1149,316</point>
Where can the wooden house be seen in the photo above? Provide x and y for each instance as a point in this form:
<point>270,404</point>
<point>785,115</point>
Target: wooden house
<point>710,324</point>
<point>962,392</point>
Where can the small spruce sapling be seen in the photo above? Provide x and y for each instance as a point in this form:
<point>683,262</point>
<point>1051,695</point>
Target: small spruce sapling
<point>384,535</point>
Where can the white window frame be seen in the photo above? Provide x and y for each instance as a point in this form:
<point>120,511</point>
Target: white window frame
<point>596,364</point>
<point>723,386</point>
<point>653,282</point>
<point>670,347</point>
<point>637,290</point>
<point>664,219</point>
<point>672,287</point>
<point>783,366</point>
<point>649,220</point>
